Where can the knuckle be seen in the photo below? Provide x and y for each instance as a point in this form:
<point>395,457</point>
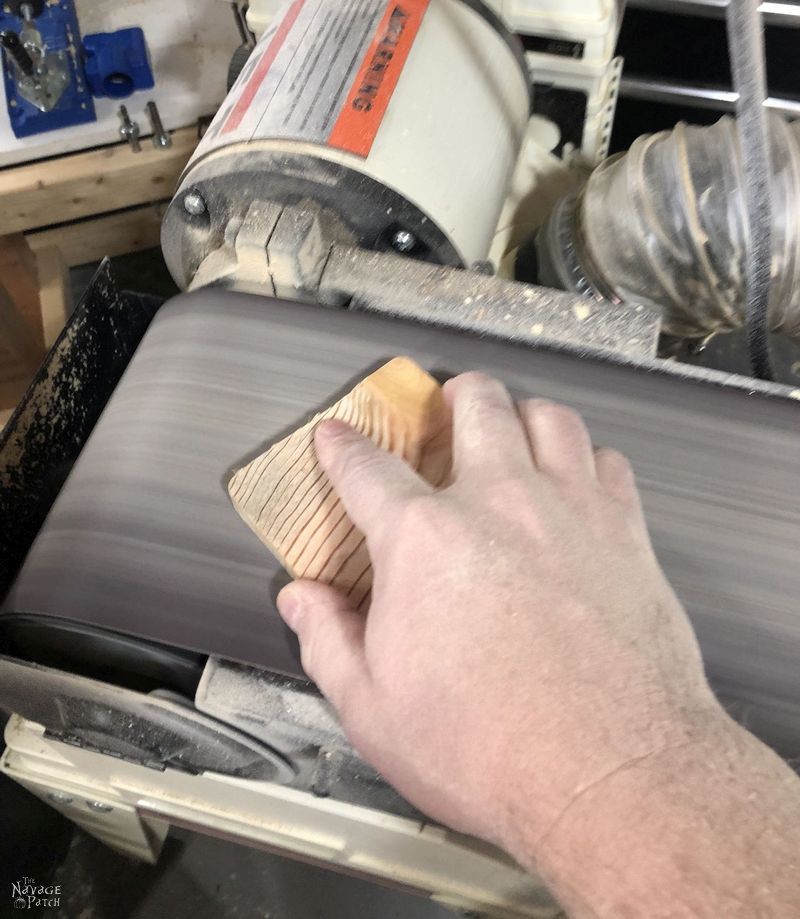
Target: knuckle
<point>427,513</point>
<point>556,415</point>
<point>615,462</point>
<point>532,406</point>
<point>613,458</point>
<point>355,463</point>
<point>511,495</point>
<point>484,407</point>
<point>476,378</point>
<point>616,475</point>
<point>483,392</point>
<point>421,510</point>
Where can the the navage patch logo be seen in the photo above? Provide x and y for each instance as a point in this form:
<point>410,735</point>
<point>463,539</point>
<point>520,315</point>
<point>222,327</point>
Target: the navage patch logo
<point>27,894</point>
<point>384,53</point>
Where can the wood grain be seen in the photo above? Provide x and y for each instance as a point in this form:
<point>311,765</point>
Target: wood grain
<point>55,294</point>
<point>288,501</point>
<point>84,184</point>
<point>21,339</point>
<point>19,277</point>
<point>91,240</point>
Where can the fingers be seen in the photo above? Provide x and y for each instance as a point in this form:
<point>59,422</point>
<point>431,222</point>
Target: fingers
<point>331,635</point>
<point>488,437</point>
<point>562,447</point>
<point>615,474</point>
<point>370,482</point>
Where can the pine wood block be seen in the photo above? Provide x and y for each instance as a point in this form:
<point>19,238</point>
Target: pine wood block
<point>288,501</point>
<point>54,293</point>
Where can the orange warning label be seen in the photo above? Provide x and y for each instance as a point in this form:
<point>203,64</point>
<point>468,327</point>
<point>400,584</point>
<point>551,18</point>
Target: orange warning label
<point>324,72</point>
<point>265,62</point>
<point>375,83</point>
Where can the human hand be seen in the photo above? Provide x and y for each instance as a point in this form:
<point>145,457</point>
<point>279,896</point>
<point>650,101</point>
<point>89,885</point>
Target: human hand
<point>522,643</point>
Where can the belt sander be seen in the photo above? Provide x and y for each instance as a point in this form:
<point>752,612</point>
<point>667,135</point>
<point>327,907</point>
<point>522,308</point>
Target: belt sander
<point>339,213</point>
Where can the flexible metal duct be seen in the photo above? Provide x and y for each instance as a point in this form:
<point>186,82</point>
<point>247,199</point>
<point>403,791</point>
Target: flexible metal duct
<point>665,224</point>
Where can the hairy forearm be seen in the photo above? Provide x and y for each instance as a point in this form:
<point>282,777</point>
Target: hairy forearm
<point>709,828</point>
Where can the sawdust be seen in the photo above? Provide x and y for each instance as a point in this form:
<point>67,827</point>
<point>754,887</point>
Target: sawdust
<point>36,425</point>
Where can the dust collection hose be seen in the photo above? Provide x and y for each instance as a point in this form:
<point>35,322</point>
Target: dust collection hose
<point>682,222</point>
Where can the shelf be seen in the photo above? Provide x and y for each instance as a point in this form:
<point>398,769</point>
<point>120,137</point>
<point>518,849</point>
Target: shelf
<point>780,14</point>
<point>695,96</point>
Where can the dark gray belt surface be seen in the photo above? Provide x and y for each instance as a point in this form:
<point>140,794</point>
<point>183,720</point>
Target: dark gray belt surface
<point>144,540</point>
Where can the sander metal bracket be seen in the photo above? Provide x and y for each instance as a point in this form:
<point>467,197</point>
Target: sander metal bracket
<point>470,301</point>
<point>303,251</point>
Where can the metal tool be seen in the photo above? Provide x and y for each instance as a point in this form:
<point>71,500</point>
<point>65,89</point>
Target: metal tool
<point>162,139</point>
<point>16,51</point>
<point>41,76</point>
<point>129,130</point>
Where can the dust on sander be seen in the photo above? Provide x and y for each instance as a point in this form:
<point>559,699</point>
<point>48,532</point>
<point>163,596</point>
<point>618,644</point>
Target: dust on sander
<point>288,501</point>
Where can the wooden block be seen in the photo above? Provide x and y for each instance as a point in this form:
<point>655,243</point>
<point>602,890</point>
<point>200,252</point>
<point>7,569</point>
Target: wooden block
<point>20,349</point>
<point>92,240</point>
<point>84,184</point>
<point>19,276</point>
<point>55,295</point>
<point>288,501</point>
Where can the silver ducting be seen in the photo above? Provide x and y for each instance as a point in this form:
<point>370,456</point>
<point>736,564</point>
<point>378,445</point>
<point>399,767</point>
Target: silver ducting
<point>666,225</point>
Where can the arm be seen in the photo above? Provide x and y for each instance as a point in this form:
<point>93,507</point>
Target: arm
<point>526,674</point>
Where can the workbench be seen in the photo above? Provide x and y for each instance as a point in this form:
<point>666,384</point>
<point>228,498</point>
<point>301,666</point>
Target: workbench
<point>74,196</point>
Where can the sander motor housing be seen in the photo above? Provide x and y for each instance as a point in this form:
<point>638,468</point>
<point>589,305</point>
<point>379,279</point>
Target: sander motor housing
<point>400,120</point>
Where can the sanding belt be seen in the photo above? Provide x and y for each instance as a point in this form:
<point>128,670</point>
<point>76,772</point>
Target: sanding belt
<point>144,539</point>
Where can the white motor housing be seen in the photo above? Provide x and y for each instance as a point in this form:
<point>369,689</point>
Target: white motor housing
<point>401,118</point>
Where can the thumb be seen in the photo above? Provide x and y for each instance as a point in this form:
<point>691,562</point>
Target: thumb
<point>331,634</point>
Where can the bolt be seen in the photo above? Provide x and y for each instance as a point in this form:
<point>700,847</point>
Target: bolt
<point>404,241</point>
<point>129,130</point>
<point>194,204</point>
<point>58,797</point>
<point>161,138</point>
<point>99,807</point>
